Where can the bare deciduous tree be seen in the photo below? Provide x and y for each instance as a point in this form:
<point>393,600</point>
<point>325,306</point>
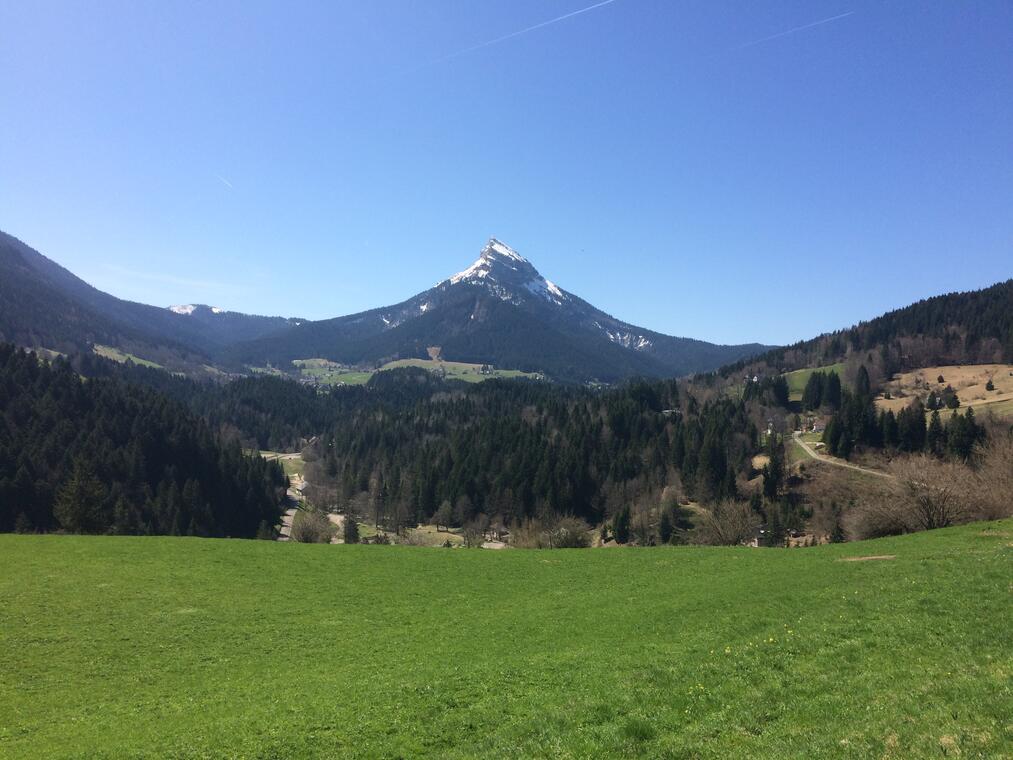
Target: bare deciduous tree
<point>728,523</point>
<point>931,494</point>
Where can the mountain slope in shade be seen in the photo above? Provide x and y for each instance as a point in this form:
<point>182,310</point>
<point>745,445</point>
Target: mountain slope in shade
<point>501,311</point>
<point>43,304</point>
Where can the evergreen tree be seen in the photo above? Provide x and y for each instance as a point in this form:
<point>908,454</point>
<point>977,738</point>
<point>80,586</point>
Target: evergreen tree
<point>935,436</point>
<point>863,386</point>
<point>666,527</point>
<point>80,503</point>
<point>350,529</point>
<point>832,392</point>
<point>621,525</point>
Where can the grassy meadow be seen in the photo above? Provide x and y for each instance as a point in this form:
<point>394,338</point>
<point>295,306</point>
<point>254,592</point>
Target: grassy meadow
<point>108,352</point>
<point>325,372</point>
<point>798,379</point>
<point>188,648</point>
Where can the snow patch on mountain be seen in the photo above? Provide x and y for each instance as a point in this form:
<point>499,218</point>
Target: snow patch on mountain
<point>546,289</point>
<point>506,274</point>
<point>628,340</point>
<point>189,308</point>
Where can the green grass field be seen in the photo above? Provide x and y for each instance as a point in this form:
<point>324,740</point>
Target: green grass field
<point>188,648</point>
<point>798,378</point>
<point>458,370</point>
<point>108,352</point>
<point>330,373</point>
<point>291,466</point>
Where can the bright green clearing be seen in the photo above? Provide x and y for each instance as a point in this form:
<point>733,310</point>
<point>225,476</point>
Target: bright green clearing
<point>798,379</point>
<point>292,464</point>
<point>471,373</point>
<point>327,372</point>
<point>194,648</point>
<point>108,352</point>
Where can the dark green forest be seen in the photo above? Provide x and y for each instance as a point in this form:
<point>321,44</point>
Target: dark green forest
<point>517,450</point>
<point>100,455</point>
<point>408,440</point>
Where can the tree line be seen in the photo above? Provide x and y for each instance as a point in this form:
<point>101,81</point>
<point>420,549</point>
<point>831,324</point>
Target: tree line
<point>101,455</point>
<point>856,423</point>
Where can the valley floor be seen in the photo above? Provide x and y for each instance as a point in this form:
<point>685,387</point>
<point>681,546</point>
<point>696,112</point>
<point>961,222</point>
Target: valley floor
<point>170,647</point>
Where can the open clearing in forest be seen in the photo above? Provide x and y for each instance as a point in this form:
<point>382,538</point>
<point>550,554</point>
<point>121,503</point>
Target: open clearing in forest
<point>797,379</point>
<point>108,352</point>
<point>326,372</point>
<point>291,463</point>
<point>188,647</point>
<point>967,380</point>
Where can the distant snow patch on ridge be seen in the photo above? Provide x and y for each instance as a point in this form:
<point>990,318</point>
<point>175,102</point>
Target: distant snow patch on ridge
<point>629,340</point>
<point>189,308</point>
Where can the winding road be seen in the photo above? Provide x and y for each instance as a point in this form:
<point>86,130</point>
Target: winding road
<point>797,437</point>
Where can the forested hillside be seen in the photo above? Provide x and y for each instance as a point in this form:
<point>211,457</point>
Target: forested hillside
<point>104,456</point>
<point>517,450</point>
<point>957,328</point>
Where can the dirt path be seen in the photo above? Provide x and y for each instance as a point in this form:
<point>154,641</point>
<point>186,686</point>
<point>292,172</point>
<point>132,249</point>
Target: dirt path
<point>338,521</point>
<point>294,499</point>
<point>796,436</point>
<point>285,531</point>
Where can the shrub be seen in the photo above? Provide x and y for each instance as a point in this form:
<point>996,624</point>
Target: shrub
<point>569,533</point>
<point>925,493</point>
<point>728,523</point>
<point>993,482</point>
<point>311,527</point>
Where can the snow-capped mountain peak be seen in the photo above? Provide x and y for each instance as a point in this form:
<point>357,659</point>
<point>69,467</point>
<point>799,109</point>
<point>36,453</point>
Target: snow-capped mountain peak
<point>508,275</point>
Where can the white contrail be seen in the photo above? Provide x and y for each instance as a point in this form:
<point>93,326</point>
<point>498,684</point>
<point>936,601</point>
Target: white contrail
<point>792,31</point>
<point>225,182</point>
<point>518,33</point>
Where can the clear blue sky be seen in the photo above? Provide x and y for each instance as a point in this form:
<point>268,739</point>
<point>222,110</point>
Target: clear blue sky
<point>728,171</point>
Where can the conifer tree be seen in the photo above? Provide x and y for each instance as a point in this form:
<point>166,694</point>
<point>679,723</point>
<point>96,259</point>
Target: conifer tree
<point>935,437</point>
<point>621,525</point>
<point>79,504</point>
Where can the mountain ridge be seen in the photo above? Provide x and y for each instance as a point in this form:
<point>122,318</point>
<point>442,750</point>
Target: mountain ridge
<point>500,310</point>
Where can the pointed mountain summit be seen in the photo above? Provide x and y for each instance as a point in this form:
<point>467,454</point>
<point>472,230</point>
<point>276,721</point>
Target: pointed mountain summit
<point>499,311</point>
<point>507,274</point>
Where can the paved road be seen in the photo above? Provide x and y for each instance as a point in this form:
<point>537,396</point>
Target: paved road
<point>797,437</point>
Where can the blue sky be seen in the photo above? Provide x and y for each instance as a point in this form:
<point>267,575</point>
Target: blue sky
<point>727,171</point>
